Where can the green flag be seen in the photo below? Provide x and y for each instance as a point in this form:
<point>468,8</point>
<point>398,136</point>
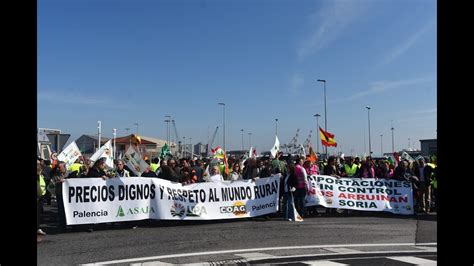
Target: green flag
<point>165,150</point>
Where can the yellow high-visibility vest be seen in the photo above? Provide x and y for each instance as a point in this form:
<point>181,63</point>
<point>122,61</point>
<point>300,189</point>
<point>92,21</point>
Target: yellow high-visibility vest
<point>75,167</point>
<point>154,167</point>
<point>42,185</point>
<point>350,170</point>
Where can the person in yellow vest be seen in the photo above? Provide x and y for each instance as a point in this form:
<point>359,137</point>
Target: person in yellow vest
<point>41,191</point>
<point>155,164</point>
<point>349,169</point>
<point>75,167</point>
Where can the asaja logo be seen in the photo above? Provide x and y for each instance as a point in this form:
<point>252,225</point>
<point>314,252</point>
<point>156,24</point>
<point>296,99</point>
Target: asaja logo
<point>135,210</point>
<point>120,212</point>
<point>238,209</point>
<point>177,209</point>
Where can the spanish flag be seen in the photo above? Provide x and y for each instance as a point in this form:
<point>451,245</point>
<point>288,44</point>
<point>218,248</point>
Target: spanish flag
<point>327,139</point>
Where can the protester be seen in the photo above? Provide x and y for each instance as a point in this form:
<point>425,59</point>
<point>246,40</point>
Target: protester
<point>289,188</point>
<point>99,170</point>
<point>215,175</point>
<point>331,168</point>
<point>250,169</point>
<point>349,169</point>
<point>120,171</point>
<point>301,187</point>
<point>41,192</point>
<point>59,174</point>
<point>236,173</point>
<point>148,172</point>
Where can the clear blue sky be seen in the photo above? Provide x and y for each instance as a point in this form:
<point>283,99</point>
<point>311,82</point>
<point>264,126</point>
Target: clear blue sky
<point>123,62</point>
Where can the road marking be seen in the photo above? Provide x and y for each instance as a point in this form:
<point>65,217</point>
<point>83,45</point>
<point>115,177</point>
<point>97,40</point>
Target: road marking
<point>257,249</point>
<point>427,248</point>
<point>414,260</point>
<point>323,263</point>
<point>342,250</point>
<point>151,263</point>
<point>255,255</point>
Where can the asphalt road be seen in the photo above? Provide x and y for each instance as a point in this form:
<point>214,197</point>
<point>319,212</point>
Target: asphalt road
<point>157,238</point>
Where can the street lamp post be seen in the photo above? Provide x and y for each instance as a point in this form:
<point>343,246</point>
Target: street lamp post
<point>250,140</point>
<point>136,124</point>
<point>381,145</point>
<point>276,126</point>
<point>191,148</point>
<point>368,118</point>
<point>325,113</point>
<point>168,128</point>
<point>317,130</point>
<point>393,146</point>
<point>115,149</point>
<point>99,129</point>
<point>126,130</point>
<point>408,143</point>
<point>223,104</point>
<point>242,138</point>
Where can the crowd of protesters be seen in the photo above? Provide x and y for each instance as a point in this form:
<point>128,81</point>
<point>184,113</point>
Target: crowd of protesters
<point>293,172</point>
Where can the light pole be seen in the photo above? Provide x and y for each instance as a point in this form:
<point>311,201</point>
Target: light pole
<point>393,146</point>
<point>242,138</point>
<point>136,124</point>
<point>223,104</point>
<point>325,113</point>
<point>408,143</point>
<point>276,126</point>
<point>168,128</point>
<point>317,130</point>
<point>191,152</point>
<point>381,146</point>
<point>99,129</point>
<point>127,129</point>
<point>368,118</point>
<point>250,140</point>
<point>114,150</point>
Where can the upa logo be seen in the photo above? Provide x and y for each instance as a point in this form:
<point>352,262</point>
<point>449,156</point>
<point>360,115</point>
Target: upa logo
<point>196,211</point>
<point>238,209</point>
<point>177,209</point>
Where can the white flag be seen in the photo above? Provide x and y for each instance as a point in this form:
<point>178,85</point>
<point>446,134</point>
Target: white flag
<point>104,152</point>
<point>276,147</point>
<point>134,161</point>
<point>406,156</point>
<point>70,154</point>
<point>302,151</point>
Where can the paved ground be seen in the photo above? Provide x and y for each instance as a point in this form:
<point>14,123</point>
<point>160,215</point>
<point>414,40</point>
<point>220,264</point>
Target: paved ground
<point>215,242</point>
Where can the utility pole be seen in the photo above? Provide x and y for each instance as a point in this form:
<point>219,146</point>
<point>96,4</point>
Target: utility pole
<point>393,146</point>
<point>242,138</point>
<point>99,129</point>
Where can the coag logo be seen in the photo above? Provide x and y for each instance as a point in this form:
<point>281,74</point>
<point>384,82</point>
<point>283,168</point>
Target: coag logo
<point>238,209</point>
<point>177,209</point>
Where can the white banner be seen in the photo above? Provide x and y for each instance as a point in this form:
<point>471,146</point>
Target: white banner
<point>93,200</point>
<point>361,194</point>
<point>104,152</point>
<point>70,154</point>
<point>134,161</point>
